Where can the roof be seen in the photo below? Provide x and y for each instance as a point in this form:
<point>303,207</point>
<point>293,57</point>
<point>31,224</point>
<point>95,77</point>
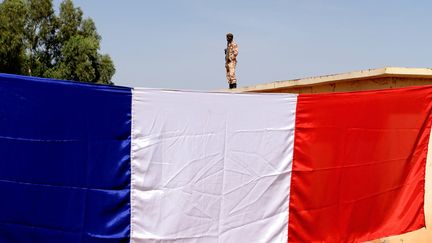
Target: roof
<point>356,75</point>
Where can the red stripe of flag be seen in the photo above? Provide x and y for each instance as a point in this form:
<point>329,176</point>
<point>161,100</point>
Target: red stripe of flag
<point>359,165</point>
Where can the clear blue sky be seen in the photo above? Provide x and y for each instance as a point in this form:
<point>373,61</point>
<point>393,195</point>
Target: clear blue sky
<point>179,44</point>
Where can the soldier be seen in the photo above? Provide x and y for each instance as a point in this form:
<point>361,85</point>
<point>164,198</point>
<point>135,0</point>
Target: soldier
<point>231,53</point>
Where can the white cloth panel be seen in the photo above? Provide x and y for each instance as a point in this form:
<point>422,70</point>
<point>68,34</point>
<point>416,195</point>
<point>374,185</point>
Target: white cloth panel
<point>211,167</point>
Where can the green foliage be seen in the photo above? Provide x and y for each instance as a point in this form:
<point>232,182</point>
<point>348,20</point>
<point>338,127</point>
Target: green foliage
<point>35,41</point>
<point>12,22</point>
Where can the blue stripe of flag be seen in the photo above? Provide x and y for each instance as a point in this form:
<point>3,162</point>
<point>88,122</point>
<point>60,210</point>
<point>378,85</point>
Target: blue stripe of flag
<point>64,161</point>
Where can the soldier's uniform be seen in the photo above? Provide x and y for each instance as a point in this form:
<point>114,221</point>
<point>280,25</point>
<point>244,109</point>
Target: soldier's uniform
<point>231,61</point>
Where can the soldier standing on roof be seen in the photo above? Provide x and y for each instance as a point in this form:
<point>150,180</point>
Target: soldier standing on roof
<point>231,53</point>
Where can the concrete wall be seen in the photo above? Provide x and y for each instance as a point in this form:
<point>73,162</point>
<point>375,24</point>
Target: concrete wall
<point>419,236</point>
<point>354,85</point>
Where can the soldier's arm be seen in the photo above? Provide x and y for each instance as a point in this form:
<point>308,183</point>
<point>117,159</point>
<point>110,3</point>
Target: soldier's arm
<point>235,50</point>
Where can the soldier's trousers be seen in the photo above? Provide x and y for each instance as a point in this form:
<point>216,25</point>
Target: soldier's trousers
<point>230,72</point>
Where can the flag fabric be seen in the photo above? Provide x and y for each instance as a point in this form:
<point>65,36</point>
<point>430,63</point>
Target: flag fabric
<point>94,163</point>
<point>359,165</point>
<point>64,161</point>
<point>211,167</point>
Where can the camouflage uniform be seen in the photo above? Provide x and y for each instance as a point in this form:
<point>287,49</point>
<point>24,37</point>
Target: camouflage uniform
<point>231,61</point>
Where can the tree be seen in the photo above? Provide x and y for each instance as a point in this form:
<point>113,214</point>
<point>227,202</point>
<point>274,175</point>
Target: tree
<point>12,49</point>
<point>40,37</point>
<point>35,41</point>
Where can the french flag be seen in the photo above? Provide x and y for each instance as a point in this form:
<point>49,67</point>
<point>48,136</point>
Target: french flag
<point>94,163</point>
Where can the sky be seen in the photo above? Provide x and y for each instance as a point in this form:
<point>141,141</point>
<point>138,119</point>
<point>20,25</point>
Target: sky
<point>180,44</point>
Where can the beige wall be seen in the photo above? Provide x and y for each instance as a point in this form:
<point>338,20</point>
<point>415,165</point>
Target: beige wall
<point>418,236</point>
<point>354,85</point>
